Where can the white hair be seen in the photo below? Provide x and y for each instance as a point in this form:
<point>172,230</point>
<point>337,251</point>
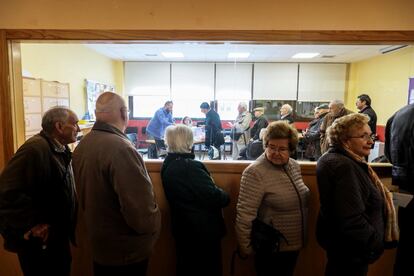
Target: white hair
<point>339,103</point>
<point>243,105</point>
<point>288,108</point>
<point>179,139</point>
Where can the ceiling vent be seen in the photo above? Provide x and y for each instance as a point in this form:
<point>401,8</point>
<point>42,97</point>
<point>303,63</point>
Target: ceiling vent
<point>327,56</point>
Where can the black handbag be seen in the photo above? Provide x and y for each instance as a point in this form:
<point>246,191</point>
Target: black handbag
<point>265,238</point>
<point>235,136</point>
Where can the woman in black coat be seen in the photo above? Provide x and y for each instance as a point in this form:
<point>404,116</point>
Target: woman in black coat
<point>357,215</point>
<point>196,206</point>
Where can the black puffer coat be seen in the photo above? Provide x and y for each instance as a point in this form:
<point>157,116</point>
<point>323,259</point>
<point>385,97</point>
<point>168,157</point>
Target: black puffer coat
<point>195,201</point>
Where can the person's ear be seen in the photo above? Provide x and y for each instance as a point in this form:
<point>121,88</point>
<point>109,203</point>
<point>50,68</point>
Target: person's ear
<point>59,127</point>
<point>123,114</point>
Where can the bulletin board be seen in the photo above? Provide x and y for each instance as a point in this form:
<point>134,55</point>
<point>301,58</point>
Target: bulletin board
<point>93,90</point>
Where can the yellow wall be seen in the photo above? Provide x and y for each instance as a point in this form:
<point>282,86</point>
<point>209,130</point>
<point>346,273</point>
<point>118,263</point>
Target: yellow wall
<point>212,14</point>
<point>385,79</point>
<point>72,63</point>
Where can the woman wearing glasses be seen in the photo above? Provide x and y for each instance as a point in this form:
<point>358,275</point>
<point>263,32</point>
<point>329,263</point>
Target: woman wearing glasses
<point>272,190</point>
<point>357,214</point>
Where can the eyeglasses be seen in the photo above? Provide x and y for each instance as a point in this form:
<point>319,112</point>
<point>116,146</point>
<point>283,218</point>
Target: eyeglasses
<point>365,136</point>
<point>281,150</point>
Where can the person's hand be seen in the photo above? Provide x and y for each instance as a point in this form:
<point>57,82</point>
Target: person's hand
<point>39,231</point>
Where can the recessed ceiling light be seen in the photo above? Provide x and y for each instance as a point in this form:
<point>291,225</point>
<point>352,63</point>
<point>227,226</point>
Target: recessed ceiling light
<point>238,55</point>
<point>172,54</point>
<point>305,55</point>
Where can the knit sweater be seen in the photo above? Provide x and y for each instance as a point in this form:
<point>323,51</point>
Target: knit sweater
<point>267,191</point>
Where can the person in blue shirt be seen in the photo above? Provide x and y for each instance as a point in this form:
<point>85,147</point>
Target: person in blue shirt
<point>157,125</point>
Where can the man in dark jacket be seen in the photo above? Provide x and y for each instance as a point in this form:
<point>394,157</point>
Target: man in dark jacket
<point>116,193</point>
<point>37,197</point>
<point>312,136</point>
<point>214,137</point>
<point>363,104</point>
<point>399,149</point>
<point>259,123</point>
<point>286,113</point>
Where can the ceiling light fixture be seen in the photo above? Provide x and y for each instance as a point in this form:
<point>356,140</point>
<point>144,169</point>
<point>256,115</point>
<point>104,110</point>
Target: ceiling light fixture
<point>391,48</point>
<point>238,55</point>
<point>172,54</point>
<point>305,55</point>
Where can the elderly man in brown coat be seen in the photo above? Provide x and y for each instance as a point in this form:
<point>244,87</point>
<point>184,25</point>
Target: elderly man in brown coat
<point>116,194</point>
<point>336,110</point>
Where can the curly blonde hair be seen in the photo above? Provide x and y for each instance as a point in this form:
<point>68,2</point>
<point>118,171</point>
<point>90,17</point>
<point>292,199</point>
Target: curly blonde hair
<point>281,130</point>
<point>341,128</point>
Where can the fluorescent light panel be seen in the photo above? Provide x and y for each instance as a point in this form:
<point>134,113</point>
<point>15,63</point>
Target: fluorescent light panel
<point>238,55</point>
<point>172,54</point>
<point>305,55</point>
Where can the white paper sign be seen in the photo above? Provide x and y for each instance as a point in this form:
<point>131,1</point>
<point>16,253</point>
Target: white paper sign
<point>401,199</point>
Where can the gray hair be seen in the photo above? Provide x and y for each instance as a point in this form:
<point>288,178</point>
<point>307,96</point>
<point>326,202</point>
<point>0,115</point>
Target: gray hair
<point>288,108</point>
<point>339,103</point>
<point>243,105</point>
<point>52,116</point>
<point>179,139</point>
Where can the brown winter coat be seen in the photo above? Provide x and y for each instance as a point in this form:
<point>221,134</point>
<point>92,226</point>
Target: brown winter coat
<point>116,197</point>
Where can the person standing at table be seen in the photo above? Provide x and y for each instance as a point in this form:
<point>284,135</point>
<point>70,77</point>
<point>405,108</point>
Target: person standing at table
<point>213,127</point>
<point>157,125</point>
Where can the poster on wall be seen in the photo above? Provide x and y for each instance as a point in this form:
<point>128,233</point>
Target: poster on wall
<point>411,91</point>
<point>93,90</point>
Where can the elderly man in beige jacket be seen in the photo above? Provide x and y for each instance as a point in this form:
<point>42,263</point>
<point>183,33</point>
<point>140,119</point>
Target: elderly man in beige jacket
<point>241,128</point>
<point>115,193</point>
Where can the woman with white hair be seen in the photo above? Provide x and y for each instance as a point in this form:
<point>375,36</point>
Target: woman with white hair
<point>196,206</point>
